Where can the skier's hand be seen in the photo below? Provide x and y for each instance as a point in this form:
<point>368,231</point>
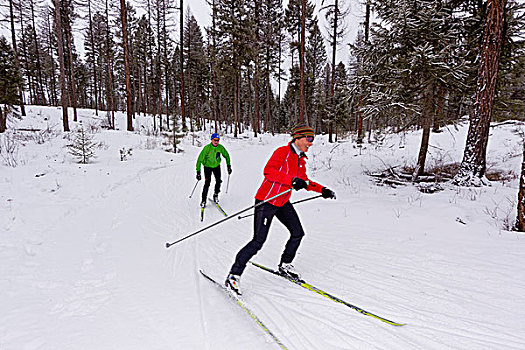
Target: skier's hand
<point>199,176</point>
<point>327,193</point>
<point>229,169</point>
<point>298,184</point>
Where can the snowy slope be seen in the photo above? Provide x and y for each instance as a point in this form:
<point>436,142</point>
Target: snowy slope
<point>84,263</point>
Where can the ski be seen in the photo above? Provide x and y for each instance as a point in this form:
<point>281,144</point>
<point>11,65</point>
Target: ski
<point>243,306</point>
<point>218,206</point>
<point>327,295</point>
<point>202,213</point>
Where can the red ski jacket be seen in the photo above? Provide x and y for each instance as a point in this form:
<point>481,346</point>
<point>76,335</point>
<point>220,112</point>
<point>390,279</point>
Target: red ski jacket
<point>283,166</point>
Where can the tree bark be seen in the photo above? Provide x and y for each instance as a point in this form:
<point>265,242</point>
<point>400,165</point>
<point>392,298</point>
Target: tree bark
<point>473,166</point>
<point>41,98</point>
<point>69,38</point>
<point>3,121</point>
<point>520,221</point>
<point>109,93</point>
<point>214,68</point>
<point>92,40</point>
<point>332,85</point>
<point>63,93</point>
<point>123,13</point>
<point>426,123</point>
<point>15,50</point>
<point>182,99</point>
<point>301,63</point>
<point>256,75</point>
<point>166,73</point>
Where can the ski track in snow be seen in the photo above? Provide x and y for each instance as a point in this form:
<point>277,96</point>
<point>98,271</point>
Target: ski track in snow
<point>86,268</point>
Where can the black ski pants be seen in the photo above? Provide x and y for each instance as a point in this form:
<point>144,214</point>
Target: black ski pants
<point>207,180</point>
<point>262,221</point>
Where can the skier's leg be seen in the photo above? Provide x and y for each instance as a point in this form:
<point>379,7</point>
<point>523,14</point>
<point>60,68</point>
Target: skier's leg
<point>217,173</point>
<point>288,216</point>
<point>207,182</point>
<point>262,220</point>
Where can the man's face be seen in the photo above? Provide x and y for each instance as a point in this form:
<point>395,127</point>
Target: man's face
<point>304,143</point>
<point>215,142</point>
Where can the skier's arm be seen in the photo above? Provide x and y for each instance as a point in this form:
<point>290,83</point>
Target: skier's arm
<point>200,159</point>
<point>225,154</point>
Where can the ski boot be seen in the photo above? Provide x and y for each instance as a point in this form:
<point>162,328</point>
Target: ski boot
<point>233,283</point>
<point>288,270</point>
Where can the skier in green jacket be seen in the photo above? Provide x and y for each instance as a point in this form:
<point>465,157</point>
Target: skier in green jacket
<point>210,158</point>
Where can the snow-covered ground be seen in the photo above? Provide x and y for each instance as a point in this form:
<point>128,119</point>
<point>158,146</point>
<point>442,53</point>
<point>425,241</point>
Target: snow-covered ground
<point>84,264</point>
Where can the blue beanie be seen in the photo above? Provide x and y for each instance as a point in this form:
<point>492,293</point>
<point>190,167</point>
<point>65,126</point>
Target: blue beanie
<point>215,136</point>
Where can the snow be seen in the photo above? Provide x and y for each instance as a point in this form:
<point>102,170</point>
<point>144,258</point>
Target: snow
<point>84,263</point>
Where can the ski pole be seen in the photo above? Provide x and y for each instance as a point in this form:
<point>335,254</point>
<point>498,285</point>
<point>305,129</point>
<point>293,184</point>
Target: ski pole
<point>296,202</point>
<point>226,218</point>
<point>194,187</point>
<point>228,183</point>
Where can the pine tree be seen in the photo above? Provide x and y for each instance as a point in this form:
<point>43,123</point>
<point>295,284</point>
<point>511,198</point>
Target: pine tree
<point>233,34</point>
<point>410,56</point>
<point>10,81</point>
<point>335,15</point>
<point>315,62</point>
<point>196,69</point>
<point>473,166</point>
<point>509,99</point>
<point>83,146</point>
<point>272,17</point>
<point>12,5</point>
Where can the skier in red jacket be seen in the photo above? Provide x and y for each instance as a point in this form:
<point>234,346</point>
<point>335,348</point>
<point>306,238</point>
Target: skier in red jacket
<point>286,169</point>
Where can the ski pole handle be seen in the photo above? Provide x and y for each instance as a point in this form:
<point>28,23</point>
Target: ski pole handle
<point>296,202</point>
<point>194,187</point>
<point>168,244</point>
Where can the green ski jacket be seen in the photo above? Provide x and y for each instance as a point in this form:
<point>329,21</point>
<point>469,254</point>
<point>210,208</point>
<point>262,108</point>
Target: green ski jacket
<point>211,156</point>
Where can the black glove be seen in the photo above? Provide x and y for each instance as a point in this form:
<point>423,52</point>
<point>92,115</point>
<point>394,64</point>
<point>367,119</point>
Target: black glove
<point>199,176</point>
<point>327,193</point>
<point>229,169</point>
<point>298,184</point>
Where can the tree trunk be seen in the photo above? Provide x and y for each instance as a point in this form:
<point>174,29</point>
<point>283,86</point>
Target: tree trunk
<point>301,63</point>
<point>63,94</point>
<point>92,40</point>
<point>520,221</point>
<point>53,94</point>
<point>235,102</point>
<point>426,123</point>
<point>109,93</point>
<point>473,166</point>
<point>41,98</point>
<point>123,13</point>
<point>69,38</point>
<point>15,50</point>
<point>24,55</point>
<point>279,83</point>
<point>332,84</point>
<point>166,73</point>
<point>182,99</point>
<point>3,121</point>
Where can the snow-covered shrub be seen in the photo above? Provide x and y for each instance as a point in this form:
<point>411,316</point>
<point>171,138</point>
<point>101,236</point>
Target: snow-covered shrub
<point>9,149</point>
<point>125,153</point>
<point>503,213</point>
